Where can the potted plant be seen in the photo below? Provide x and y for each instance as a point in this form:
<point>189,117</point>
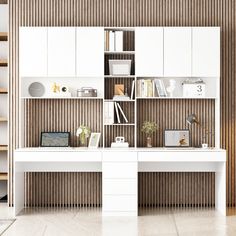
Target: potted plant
<point>83,132</point>
<point>149,128</point>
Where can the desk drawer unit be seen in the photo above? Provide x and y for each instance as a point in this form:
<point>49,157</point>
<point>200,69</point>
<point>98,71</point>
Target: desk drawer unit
<point>120,171</point>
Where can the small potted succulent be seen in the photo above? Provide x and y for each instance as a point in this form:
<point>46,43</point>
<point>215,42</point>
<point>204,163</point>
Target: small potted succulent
<point>149,128</point>
<point>83,132</point>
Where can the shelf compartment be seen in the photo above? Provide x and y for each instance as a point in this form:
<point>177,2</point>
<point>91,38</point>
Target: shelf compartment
<point>113,131</point>
<point>3,176</point>
<point>3,148</point>
<point>3,119</point>
<point>3,91</point>
<point>110,85</point>
<point>3,36</point>
<point>3,62</point>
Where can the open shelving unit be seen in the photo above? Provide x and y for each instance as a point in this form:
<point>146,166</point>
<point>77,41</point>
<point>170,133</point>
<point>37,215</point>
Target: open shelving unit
<point>4,163</point>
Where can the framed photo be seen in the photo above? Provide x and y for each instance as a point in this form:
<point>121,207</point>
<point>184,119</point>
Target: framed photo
<point>176,138</point>
<point>120,67</point>
<point>55,139</point>
<point>94,140</point>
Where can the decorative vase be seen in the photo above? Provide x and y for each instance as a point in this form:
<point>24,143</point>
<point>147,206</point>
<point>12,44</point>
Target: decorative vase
<point>204,145</point>
<point>82,141</point>
<point>149,142</point>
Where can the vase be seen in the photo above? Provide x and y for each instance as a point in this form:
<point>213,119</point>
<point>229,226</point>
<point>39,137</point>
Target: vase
<point>149,142</point>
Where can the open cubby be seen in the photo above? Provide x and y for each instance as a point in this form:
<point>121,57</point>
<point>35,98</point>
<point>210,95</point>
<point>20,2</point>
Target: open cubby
<point>110,85</point>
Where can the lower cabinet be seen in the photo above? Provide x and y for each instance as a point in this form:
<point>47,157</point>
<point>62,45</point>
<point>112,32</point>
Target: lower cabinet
<point>120,184</point>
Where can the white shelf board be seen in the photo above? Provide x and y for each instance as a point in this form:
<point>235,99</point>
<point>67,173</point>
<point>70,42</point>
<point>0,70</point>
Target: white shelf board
<point>120,124</point>
<point>120,52</point>
<point>112,100</point>
<point>94,98</point>
<point>119,28</point>
<point>119,76</point>
<point>176,98</point>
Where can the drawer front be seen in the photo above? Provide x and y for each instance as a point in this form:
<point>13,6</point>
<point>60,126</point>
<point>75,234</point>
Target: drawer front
<point>120,186</point>
<point>119,156</point>
<point>120,203</point>
<point>122,170</point>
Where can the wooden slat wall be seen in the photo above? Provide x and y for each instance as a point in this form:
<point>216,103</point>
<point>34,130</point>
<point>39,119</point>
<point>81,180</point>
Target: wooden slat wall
<point>177,110</point>
<point>132,13</point>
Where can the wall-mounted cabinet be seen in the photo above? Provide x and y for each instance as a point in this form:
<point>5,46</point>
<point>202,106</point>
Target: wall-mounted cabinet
<point>149,51</point>
<point>61,51</point>
<point>33,51</point>
<point>206,51</point>
<point>177,51</point>
<point>90,51</point>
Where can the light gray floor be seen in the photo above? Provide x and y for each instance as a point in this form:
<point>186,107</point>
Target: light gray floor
<point>50,222</point>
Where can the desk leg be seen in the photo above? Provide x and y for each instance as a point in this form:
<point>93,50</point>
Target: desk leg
<point>18,191</point>
<point>220,189</point>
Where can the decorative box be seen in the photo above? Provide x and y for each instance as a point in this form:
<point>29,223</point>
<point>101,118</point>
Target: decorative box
<point>120,67</point>
<point>87,92</point>
<point>194,88</point>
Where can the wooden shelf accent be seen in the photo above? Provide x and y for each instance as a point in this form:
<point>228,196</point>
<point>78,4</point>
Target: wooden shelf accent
<point>3,176</point>
<point>3,62</point>
<point>3,119</point>
<point>3,148</point>
<point>3,91</point>
<point>3,36</point>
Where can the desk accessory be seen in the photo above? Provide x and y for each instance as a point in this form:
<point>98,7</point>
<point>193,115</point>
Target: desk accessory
<point>149,128</point>
<point>194,88</point>
<point>94,140</point>
<point>176,138</point>
<point>55,139</point>
<point>120,143</point>
<point>36,89</point>
<point>87,92</point>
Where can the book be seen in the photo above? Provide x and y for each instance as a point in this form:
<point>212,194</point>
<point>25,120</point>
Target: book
<point>112,41</point>
<point>123,114</point>
<point>119,41</point>
<point>108,113</point>
<point>117,113</point>
<point>132,90</point>
<point>161,90</point>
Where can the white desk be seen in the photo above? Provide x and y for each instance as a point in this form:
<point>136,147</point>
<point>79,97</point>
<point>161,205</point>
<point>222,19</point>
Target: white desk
<point>120,169</point>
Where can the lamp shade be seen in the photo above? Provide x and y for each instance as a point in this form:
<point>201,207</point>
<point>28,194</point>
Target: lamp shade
<point>191,119</point>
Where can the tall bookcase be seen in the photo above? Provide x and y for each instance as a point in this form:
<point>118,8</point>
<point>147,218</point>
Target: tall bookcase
<point>166,53</point>
<point>3,102</point>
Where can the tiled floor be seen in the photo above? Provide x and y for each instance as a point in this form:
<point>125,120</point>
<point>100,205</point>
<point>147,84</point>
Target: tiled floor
<point>82,222</point>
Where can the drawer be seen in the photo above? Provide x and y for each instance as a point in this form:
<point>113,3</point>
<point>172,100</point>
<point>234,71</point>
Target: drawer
<point>119,155</point>
<point>120,203</point>
<point>122,170</point>
<point>119,186</point>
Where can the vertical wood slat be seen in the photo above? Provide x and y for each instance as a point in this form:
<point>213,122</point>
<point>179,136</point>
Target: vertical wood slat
<point>131,13</point>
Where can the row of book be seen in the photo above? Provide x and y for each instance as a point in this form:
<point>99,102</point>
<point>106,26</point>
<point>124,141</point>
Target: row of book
<point>113,41</point>
<point>151,88</point>
<point>110,108</point>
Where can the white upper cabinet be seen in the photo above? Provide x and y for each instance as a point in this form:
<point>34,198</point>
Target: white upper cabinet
<point>206,51</point>
<point>177,51</point>
<point>90,51</point>
<point>61,51</point>
<point>149,51</point>
<point>33,51</point>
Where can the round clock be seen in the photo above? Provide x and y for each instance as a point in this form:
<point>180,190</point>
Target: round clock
<point>36,89</point>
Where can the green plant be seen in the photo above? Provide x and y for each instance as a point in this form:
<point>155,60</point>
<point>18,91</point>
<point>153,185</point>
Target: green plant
<point>83,132</point>
<point>149,127</point>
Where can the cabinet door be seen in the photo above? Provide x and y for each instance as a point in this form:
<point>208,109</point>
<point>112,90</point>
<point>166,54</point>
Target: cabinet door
<point>149,51</point>
<point>61,51</point>
<point>90,51</point>
<point>33,51</point>
<point>177,51</point>
<point>206,51</point>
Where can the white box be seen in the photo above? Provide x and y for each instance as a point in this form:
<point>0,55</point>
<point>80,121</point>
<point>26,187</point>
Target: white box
<point>120,67</point>
<point>194,90</point>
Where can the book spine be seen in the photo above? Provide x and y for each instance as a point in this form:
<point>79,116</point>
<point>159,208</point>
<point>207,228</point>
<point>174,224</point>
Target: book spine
<point>112,41</point>
<point>119,41</point>
<point>117,113</point>
<point>132,90</point>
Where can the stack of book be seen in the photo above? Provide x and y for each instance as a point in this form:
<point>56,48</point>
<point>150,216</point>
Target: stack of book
<point>109,113</point>
<point>113,41</point>
<point>151,88</point>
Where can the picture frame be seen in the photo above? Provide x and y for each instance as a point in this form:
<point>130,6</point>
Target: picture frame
<point>55,139</point>
<point>120,67</point>
<point>94,140</point>
<point>176,138</point>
